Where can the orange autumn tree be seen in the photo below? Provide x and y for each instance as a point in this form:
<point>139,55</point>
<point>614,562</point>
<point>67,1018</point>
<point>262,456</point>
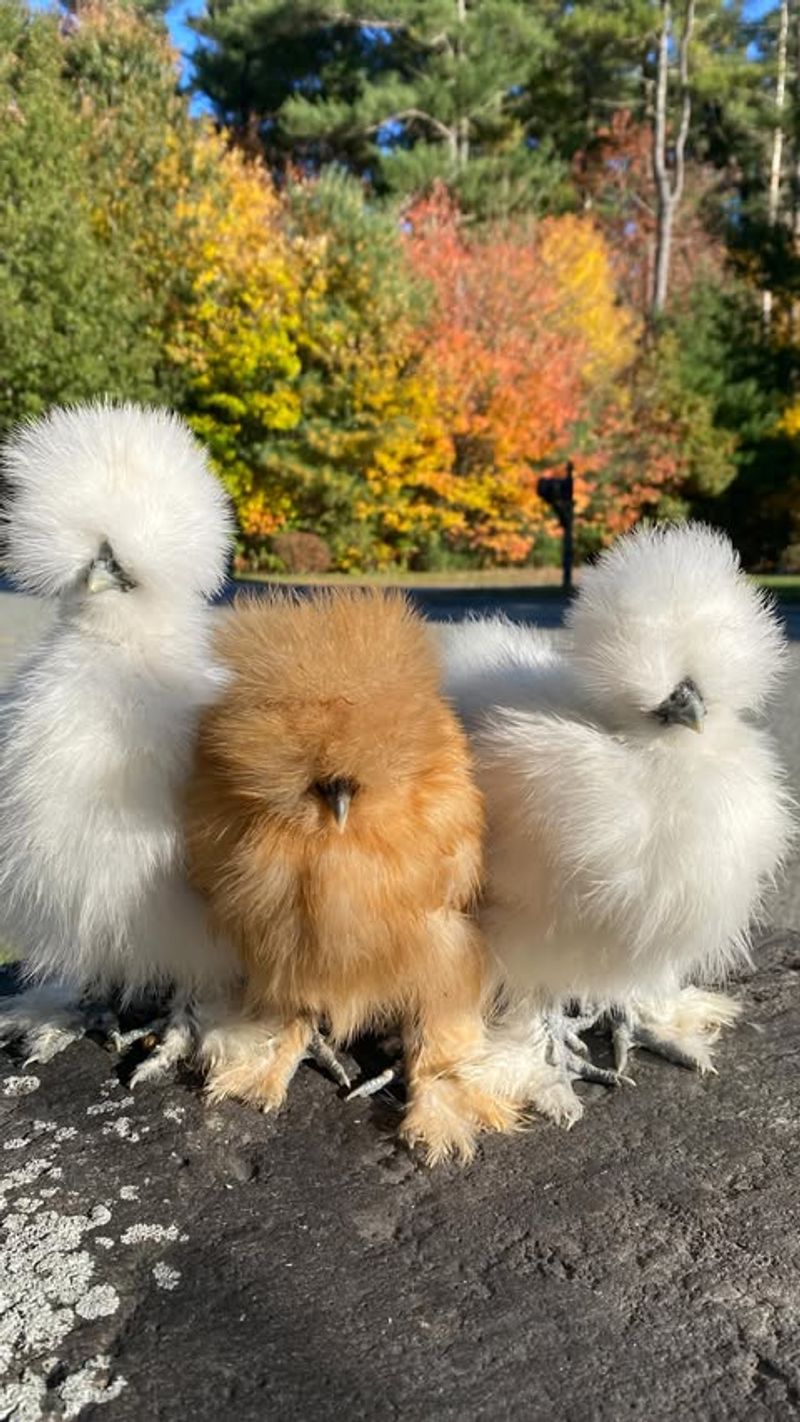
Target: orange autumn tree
<point>523,345</point>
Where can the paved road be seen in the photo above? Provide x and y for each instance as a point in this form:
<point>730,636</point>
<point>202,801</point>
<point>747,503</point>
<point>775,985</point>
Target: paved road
<point>545,606</point>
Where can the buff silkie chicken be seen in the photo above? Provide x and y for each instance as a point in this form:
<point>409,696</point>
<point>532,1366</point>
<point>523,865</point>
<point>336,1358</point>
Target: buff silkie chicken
<point>627,855</point>
<point>333,824</point>
<point>115,516</point>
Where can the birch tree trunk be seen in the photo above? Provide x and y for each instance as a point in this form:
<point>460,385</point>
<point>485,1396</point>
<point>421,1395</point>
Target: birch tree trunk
<point>776,163</point>
<point>669,180</point>
<point>462,124</point>
<point>794,36</point>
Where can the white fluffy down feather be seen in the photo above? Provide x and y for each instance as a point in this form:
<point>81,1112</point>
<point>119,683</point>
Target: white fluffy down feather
<point>114,512</point>
<point>627,857</point>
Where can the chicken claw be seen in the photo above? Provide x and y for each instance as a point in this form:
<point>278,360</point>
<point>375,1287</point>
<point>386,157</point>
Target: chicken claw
<point>325,1057</point>
<point>373,1084</point>
<point>570,1056</point>
<point>682,1030</point>
<point>177,1043</point>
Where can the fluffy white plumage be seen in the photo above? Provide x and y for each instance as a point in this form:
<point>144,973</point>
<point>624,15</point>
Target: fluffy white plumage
<point>626,855</point>
<point>113,512</point>
<point>133,475</point>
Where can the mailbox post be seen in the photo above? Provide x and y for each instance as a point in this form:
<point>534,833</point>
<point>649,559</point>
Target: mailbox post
<point>559,494</point>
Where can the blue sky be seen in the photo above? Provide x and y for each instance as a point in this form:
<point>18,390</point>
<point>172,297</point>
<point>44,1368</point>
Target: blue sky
<point>177,16</point>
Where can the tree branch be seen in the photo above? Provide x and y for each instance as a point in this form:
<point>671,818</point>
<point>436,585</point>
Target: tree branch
<point>436,124</point>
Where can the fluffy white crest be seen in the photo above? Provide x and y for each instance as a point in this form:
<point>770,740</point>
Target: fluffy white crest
<point>669,603</point>
<point>131,476</point>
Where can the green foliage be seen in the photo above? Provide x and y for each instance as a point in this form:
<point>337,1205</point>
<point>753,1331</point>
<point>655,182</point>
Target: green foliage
<point>64,299</point>
<point>747,379</point>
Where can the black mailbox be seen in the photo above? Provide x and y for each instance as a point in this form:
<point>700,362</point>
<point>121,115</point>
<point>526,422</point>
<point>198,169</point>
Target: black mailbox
<point>558,491</point>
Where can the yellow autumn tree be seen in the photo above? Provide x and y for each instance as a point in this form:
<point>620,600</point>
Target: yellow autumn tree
<point>364,463</point>
<point>233,339</point>
<point>295,353</point>
<point>576,263</point>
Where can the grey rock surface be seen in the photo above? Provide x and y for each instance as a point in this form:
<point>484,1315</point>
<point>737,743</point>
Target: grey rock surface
<point>168,1260</point>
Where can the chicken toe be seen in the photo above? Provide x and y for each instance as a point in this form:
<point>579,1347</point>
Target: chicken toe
<point>682,1028</point>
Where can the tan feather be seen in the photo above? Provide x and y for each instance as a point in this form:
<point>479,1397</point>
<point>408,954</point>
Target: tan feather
<point>356,925</point>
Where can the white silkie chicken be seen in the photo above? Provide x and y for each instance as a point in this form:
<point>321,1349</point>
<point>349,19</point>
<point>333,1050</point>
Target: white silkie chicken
<point>114,514</point>
<point>627,855</point>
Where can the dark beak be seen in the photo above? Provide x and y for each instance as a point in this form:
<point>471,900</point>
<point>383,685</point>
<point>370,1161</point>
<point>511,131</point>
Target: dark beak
<point>337,795</point>
<point>683,707</point>
<point>105,573</point>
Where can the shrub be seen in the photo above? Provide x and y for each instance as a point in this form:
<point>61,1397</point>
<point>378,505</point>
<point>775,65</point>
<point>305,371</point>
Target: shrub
<point>302,552</point>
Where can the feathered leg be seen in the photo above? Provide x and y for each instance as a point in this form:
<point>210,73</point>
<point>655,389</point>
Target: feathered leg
<point>683,1028</point>
<point>49,1018</point>
<point>533,1056</point>
<point>448,1104</point>
<point>255,1062</point>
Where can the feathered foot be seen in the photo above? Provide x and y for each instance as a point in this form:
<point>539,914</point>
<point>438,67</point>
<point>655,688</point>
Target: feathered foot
<point>445,1116</point>
<point>533,1057</point>
<point>255,1061</point>
<point>177,1041</point>
<point>682,1029</point>
<point>48,1019</point>
<point>449,1104</point>
<point>256,1064</point>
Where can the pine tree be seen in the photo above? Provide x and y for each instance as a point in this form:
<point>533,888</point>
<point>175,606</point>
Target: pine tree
<point>404,93</point>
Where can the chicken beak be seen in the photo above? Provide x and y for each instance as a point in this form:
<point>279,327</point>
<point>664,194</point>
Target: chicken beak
<point>696,723</point>
<point>105,573</point>
<point>100,577</point>
<point>683,707</point>
<point>340,805</point>
<point>338,795</point>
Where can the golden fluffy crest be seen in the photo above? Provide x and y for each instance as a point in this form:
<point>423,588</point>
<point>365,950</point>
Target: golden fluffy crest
<point>338,685</point>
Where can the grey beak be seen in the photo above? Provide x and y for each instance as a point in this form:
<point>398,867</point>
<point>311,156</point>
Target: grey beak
<point>105,573</point>
<point>683,707</point>
<point>337,795</point>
